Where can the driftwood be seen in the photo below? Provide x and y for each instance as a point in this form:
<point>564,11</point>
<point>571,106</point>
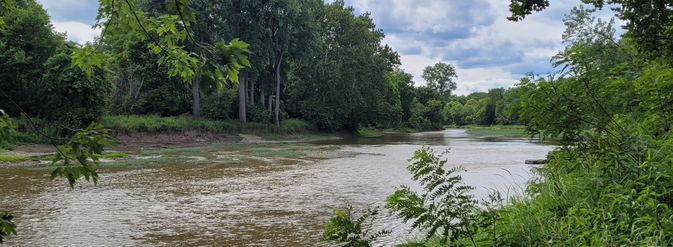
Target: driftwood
<point>536,162</point>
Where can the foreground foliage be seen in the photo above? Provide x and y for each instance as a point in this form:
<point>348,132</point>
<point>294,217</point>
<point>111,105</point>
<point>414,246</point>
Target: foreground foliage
<point>6,130</point>
<point>608,184</point>
<point>352,232</point>
<point>72,159</point>
<point>6,225</point>
<point>445,208</point>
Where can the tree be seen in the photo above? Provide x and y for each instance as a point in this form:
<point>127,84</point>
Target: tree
<point>290,34</point>
<point>611,116</point>
<point>648,24</point>
<point>70,97</point>
<point>454,113</point>
<point>346,84</point>
<point>487,113</point>
<point>522,8</point>
<point>590,89</point>
<point>404,83</point>
<point>5,7</point>
<point>142,86</point>
<point>508,108</point>
<point>207,69</point>
<point>440,77</point>
<point>199,37</point>
<point>22,59</point>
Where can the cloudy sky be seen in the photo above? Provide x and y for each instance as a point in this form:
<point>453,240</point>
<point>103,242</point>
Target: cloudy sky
<point>475,36</point>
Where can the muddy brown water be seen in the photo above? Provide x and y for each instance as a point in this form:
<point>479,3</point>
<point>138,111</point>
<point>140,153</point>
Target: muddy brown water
<point>272,202</point>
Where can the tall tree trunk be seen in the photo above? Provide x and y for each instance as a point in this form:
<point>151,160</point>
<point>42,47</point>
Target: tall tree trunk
<point>241,98</point>
<point>261,95</point>
<point>270,101</point>
<point>129,78</point>
<point>280,59</point>
<point>195,97</point>
<point>252,92</point>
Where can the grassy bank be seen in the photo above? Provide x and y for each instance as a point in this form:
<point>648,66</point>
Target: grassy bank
<point>490,127</point>
<point>157,124</point>
<point>369,132</point>
<point>26,133</point>
<point>493,130</point>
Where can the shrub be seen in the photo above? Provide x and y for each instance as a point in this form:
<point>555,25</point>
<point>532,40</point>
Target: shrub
<point>71,97</point>
<point>445,208</point>
<point>223,106</point>
<point>346,229</point>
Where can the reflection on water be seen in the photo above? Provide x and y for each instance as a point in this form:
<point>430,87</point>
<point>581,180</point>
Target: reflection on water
<point>435,138</point>
<point>258,202</point>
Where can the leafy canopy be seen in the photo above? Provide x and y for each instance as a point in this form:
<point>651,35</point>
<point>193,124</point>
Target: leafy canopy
<point>168,34</point>
<point>441,77</point>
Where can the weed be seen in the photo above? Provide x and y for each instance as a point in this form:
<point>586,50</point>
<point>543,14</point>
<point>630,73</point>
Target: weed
<point>11,158</point>
<point>352,232</point>
<point>368,132</point>
<point>112,155</point>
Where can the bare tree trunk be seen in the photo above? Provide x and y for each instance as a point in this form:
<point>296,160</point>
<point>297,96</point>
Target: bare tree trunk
<point>261,95</point>
<point>270,101</point>
<point>252,92</point>
<point>195,97</point>
<point>241,98</point>
<point>280,59</point>
<point>129,78</point>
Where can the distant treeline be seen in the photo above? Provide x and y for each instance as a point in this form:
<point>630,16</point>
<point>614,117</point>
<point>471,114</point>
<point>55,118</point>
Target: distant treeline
<point>314,61</point>
<point>497,106</point>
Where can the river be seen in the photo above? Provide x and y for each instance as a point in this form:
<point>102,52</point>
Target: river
<point>268,202</point>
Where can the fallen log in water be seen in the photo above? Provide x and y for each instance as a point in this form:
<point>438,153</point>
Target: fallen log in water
<point>536,162</point>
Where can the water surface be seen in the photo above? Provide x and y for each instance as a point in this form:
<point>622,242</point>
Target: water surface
<point>259,202</point>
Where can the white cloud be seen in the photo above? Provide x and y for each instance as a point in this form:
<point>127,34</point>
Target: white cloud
<point>77,31</point>
<point>482,79</point>
<point>469,80</point>
<point>71,10</point>
<point>414,65</point>
<point>488,50</point>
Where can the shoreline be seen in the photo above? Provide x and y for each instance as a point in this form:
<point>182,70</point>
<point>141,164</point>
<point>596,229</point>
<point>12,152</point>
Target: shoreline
<point>135,145</point>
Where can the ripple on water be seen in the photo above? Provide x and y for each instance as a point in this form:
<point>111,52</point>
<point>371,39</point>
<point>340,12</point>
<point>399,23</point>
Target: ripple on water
<point>258,202</point>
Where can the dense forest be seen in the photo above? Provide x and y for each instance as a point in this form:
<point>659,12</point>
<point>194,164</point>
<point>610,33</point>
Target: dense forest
<point>309,60</point>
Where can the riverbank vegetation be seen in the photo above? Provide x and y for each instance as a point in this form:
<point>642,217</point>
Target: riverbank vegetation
<point>608,184</point>
<point>301,79</point>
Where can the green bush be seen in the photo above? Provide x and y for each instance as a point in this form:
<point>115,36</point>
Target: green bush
<point>26,133</point>
<point>70,97</point>
<point>369,131</point>
<point>259,114</point>
<point>222,106</point>
<point>344,228</point>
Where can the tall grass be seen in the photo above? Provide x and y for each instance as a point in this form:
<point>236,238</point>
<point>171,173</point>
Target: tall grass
<point>492,127</point>
<point>157,124</point>
<point>368,131</point>
<point>26,133</point>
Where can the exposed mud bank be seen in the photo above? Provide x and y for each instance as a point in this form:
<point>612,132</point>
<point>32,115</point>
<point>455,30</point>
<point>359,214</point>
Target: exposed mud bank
<point>190,138</point>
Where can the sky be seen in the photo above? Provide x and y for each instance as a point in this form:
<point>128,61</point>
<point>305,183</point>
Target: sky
<point>474,36</point>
